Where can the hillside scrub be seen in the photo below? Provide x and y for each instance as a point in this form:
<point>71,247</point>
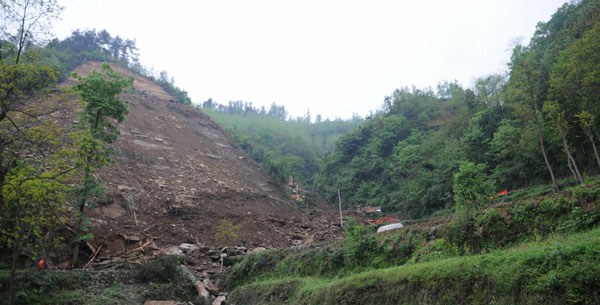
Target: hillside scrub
<point>484,232</point>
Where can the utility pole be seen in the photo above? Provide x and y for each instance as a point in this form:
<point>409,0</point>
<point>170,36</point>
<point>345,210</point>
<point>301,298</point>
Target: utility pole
<point>340,202</point>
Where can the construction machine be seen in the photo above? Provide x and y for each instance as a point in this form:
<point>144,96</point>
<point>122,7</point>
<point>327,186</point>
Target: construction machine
<point>294,189</point>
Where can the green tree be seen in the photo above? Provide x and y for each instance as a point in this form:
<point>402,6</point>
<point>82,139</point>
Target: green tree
<point>489,90</point>
<point>505,151</point>
<point>99,93</point>
<point>30,187</point>
<point>523,94</point>
<point>472,187</point>
<point>227,232</point>
<point>554,111</point>
<point>25,21</point>
<point>476,141</point>
<point>575,80</point>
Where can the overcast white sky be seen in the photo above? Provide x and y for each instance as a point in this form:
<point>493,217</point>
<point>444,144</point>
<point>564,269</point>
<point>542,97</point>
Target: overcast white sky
<point>335,58</point>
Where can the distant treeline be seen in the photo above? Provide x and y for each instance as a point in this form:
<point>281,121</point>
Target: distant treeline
<point>280,145</point>
<point>65,55</point>
<point>244,108</point>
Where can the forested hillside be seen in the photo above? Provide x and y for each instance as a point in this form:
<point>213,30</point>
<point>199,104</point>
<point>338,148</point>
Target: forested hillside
<point>533,125</point>
<point>282,146</point>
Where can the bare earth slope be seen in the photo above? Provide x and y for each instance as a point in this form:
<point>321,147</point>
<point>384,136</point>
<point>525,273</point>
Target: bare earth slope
<point>176,175</point>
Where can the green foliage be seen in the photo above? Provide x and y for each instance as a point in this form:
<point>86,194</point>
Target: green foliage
<point>530,251</point>
<point>33,201</point>
<point>65,55</point>
<point>19,82</point>
<point>513,157</point>
<point>159,279</point>
<point>531,220</point>
<point>252,266</point>
<point>227,232</point>
<point>167,280</point>
<point>483,231</point>
<point>99,93</point>
<point>165,269</point>
<point>558,271</point>
<point>398,160</point>
<point>359,244</point>
<point>45,288</point>
<point>281,147</point>
<point>168,85</point>
<point>34,165</point>
<point>498,122</point>
<point>471,188</point>
<point>435,250</point>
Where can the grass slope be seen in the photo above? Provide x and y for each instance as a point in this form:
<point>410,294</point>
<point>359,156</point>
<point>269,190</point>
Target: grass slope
<point>564,269</point>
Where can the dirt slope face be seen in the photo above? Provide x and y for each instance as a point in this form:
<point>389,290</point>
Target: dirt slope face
<point>176,175</point>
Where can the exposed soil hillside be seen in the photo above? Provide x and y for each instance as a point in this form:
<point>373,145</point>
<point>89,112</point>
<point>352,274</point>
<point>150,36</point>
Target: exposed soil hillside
<point>176,175</point>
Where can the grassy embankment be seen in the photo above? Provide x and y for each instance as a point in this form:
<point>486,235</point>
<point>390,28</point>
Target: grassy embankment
<point>540,251</point>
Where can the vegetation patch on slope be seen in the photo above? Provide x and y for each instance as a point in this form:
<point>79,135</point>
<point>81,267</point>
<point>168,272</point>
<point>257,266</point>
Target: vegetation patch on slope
<point>280,145</point>
<point>162,278</point>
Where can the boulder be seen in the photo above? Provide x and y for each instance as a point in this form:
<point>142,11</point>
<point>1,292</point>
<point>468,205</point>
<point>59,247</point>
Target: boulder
<point>161,303</point>
<point>202,290</point>
<point>219,300</point>
<point>188,248</point>
<point>258,249</point>
<point>212,288</point>
<point>173,250</point>
<point>131,238</point>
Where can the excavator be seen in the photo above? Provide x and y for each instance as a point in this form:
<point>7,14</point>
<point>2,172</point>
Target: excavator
<point>294,189</point>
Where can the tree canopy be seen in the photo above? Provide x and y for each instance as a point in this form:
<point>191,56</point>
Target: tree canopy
<point>536,124</point>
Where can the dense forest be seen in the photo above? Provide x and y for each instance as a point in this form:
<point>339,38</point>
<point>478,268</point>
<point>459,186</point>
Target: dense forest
<point>282,146</point>
<point>533,125</point>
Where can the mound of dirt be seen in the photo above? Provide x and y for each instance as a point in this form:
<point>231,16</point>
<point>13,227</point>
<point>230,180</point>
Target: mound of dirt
<point>177,175</point>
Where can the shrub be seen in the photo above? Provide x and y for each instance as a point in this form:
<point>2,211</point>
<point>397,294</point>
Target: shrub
<point>227,232</point>
<point>252,266</point>
<point>471,187</point>
<point>165,269</point>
